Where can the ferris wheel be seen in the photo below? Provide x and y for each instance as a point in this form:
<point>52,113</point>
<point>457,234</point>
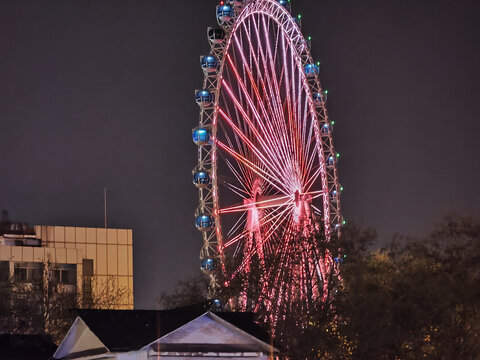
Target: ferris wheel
<point>267,168</point>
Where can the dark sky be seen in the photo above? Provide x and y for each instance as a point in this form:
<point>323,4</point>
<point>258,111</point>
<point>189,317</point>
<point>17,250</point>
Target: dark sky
<point>98,93</point>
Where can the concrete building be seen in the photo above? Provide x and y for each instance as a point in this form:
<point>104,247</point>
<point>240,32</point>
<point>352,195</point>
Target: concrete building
<point>89,261</point>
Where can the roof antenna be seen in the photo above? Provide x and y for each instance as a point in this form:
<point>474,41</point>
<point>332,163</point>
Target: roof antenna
<point>105,205</point>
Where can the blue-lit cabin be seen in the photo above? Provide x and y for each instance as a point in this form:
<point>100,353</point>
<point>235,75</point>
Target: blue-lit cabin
<point>311,70</point>
<point>216,305</point>
<point>325,129</point>
<point>330,161</point>
<point>207,265</point>
<point>334,196</point>
<point>216,35</point>
<point>209,63</point>
<point>203,97</point>
<point>285,4</point>
<point>225,13</point>
<point>204,222</point>
<point>318,99</point>
<point>201,136</point>
<point>201,178</point>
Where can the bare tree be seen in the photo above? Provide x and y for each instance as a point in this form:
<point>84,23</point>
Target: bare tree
<point>108,294</point>
<point>187,292</point>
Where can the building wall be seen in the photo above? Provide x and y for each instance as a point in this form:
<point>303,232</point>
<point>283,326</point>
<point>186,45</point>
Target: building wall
<point>110,249</point>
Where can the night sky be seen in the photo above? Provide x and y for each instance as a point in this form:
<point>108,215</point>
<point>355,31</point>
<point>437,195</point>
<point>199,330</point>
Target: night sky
<point>99,93</point>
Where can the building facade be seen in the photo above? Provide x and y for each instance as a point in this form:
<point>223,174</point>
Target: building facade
<point>96,263</point>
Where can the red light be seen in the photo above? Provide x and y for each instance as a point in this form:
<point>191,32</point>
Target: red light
<point>221,2</point>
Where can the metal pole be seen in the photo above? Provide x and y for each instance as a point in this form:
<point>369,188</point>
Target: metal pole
<point>105,205</point>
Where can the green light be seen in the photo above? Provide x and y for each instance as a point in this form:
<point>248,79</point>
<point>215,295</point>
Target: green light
<point>341,188</point>
<point>344,256</point>
<point>333,122</point>
<point>318,63</point>
<point>309,38</point>
<point>344,222</point>
<point>326,92</point>
<point>338,155</point>
<point>299,16</point>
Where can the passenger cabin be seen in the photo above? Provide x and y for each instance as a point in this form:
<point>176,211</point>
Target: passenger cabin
<point>201,136</point>
<point>204,222</point>
<point>203,97</point>
<point>201,178</point>
<point>285,4</point>
<point>207,265</point>
<point>209,63</point>
<point>225,13</point>
<point>216,35</point>
<point>311,70</point>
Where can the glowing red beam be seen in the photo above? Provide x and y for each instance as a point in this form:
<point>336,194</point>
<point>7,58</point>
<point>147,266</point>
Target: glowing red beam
<point>259,205</point>
<point>276,115</point>
<point>252,166</point>
<point>265,142</point>
<point>247,141</point>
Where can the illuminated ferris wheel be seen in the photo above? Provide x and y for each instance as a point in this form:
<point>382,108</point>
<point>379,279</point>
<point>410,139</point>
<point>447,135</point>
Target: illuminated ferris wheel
<point>267,168</point>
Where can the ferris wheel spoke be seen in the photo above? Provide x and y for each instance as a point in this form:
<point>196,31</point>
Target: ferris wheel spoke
<point>236,238</point>
<point>271,96</point>
<point>320,194</point>
<point>241,221</point>
<point>240,144</point>
<point>277,38</point>
<point>317,210</point>
<point>247,259</point>
<point>234,188</point>
<point>251,105</point>
<point>309,183</point>
<point>241,149</point>
<point>271,77</point>
<point>268,202</point>
<point>297,94</point>
<point>274,99</point>
<point>313,156</point>
<point>269,133</point>
<point>278,168</point>
<point>260,156</point>
<point>281,122</point>
<point>246,183</point>
<point>290,100</point>
<point>285,80</point>
<point>307,139</point>
<point>282,266</point>
<point>264,175</point>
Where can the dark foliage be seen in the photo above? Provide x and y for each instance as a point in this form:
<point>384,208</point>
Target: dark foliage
<point>413,299</point>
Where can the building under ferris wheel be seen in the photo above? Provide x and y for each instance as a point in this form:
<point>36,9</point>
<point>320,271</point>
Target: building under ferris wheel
<point>267,168</point>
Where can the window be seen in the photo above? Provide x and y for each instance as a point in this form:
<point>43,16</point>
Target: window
<point>4,271</point>
<point>87,291</point>
<point>87,282</point>
<point>64,274</point>
<point>87,267</point>
<point>28,272</point>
